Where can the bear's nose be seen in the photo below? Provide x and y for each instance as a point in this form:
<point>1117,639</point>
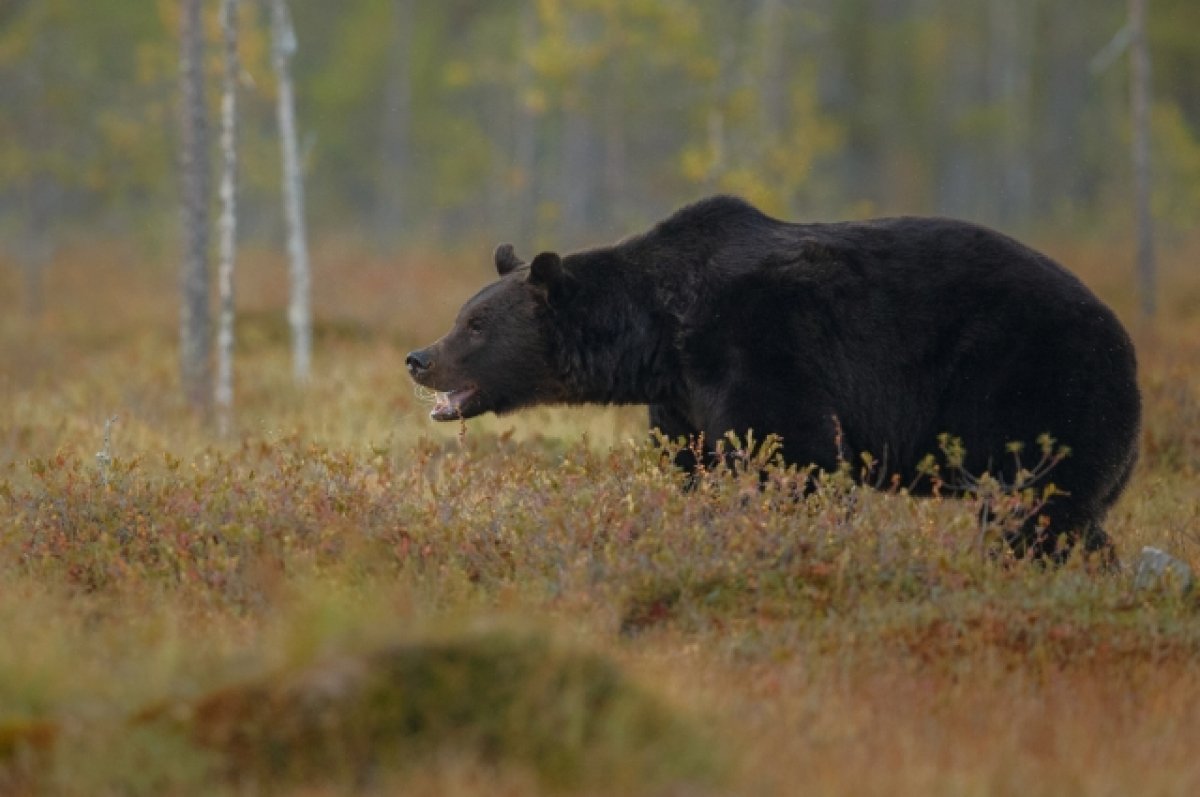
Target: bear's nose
<point>418,362</point>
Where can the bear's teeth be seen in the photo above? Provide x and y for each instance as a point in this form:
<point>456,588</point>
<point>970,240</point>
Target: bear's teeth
<point>425,395</point>
<point>448,406</point>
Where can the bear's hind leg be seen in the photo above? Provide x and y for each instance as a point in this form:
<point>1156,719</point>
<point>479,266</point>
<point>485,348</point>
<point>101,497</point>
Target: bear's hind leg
<point>1051,535</point>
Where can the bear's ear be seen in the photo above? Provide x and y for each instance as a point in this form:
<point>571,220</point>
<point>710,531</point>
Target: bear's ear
<point>506,259</point>
<point>546,269</point>
<point>546,272</point>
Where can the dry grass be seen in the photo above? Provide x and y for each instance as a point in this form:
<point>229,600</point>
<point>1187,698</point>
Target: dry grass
<point>728,640</point>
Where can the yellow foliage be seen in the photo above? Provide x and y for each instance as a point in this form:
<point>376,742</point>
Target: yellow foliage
<point>550,14</point>
<point>742,105</point>
<point>535,100</point>
<point>580,38</point>
<point>770,170</point>
<point>697,162</point>
<point>458,74</point>
<point>155,63</point>
<point>15,40</point>
<point>752,185</point>
<point>1177,176</point>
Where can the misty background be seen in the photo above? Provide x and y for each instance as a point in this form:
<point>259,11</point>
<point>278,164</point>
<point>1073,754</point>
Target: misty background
<point>572,121</point>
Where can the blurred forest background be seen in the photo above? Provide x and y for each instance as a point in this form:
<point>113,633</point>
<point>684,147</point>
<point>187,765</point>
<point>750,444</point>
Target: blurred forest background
<point>574,121</point>
<point>329,536</point>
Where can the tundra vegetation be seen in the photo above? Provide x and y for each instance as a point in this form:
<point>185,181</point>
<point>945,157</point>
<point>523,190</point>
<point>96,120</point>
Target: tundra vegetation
<point>343,597</point>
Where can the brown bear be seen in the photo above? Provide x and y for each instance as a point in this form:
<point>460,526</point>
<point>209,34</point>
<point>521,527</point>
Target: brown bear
<point>880,335</point>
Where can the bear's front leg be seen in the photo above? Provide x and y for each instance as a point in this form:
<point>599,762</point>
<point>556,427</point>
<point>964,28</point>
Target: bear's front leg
<point>807,435</point>
<point>674,426</point>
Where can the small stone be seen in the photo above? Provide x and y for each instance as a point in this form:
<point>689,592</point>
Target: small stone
<point>1157,567</point>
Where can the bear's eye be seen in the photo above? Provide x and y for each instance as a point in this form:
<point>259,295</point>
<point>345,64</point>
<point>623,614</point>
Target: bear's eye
<point>475,325</point>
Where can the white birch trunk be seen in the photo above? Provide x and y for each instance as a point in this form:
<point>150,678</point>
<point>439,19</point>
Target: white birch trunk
<point>299,310</point>
<point>1011,30</point>
<point>195,324</point>
<point>1140,100</point>
<point>227,227</point>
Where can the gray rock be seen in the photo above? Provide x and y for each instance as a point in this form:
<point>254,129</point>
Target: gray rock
<point>1156,567</point>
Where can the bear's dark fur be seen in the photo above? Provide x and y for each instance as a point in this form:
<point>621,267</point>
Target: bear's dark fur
<point>723,319</point>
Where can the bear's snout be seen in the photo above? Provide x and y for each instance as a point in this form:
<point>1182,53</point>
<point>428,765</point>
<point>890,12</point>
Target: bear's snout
<point>418,362</point>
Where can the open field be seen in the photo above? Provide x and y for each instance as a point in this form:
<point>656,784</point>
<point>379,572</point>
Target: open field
<point>342,597</point>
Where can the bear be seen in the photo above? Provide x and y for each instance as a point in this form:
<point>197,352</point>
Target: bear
<point>877,336</point>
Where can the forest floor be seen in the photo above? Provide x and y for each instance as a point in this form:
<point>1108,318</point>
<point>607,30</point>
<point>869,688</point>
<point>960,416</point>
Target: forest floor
<point>343,597</point>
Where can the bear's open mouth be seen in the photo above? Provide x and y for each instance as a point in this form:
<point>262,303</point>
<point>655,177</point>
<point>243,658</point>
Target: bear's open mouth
<point>449,406</point>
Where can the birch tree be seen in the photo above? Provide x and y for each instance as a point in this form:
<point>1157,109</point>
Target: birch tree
<point>299,310</point>
<point>397,124</point>
<point>525,133</point>
<point>1140,101</point>
<point>35,247</point>
<point>1010,83</point>
<point>195,324</point>
<point>228,221</point>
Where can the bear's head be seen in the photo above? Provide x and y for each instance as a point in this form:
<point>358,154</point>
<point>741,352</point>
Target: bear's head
<point>499,355</point>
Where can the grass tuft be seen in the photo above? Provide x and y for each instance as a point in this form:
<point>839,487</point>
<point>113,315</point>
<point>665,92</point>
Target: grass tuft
<point>574,719</point>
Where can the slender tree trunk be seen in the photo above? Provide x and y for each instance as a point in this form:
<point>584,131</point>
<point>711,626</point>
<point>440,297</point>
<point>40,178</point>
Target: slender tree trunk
<point>36,247</point>
<point>195,324</point>
<point>773,80</point>
<point>32,267</point>
<point>1009,74</point>
<point>722,86</point>
<point>855,42</point>
<point>525,133</point>
<point>579,175</point>
<point>616,153</point>
<point>299,311</point>
<point>958,162</point>
<point>578,169</point>
<point>228,220</point>
<point>397,123</point>
<point>1140,96</point>
<point>1062,90</point>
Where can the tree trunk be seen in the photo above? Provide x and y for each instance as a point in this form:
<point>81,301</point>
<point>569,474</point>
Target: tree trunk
<point>579,174</point>
<point>194,317</point>
<point>773,79</point>
<point>1140,96</point>
<point>1010,31</point>
<point>1062,90</point>
<point>958,162</point>
<point>395,130</point>
<point>35,247</point>
<point>616,152</point>
<point>228,220</point>
<point>299,312</point>
<point>855,42</point>
<point>526,132</point>
<point>578,169</point>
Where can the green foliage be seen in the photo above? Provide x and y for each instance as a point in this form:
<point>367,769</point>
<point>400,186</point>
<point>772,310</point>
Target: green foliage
<point>1177,165</point>
<point>528,118</point>
<point>574,719</point>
